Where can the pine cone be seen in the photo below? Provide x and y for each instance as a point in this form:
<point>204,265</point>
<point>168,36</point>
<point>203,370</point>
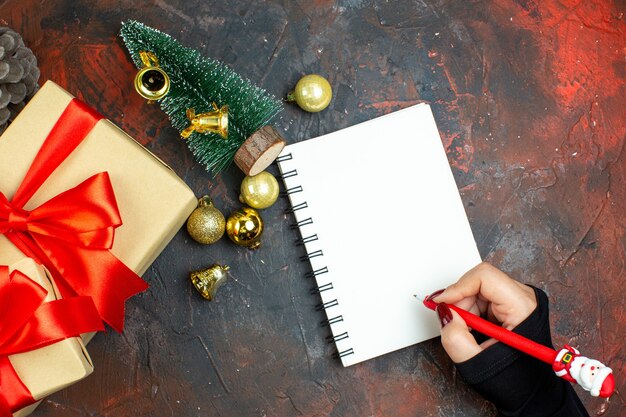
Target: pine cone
<point>18,75</point>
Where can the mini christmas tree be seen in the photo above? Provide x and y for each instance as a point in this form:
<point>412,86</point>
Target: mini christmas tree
<point>196,82</point>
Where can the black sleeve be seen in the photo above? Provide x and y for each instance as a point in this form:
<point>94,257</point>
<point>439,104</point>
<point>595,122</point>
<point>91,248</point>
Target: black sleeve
<point>519,385</point>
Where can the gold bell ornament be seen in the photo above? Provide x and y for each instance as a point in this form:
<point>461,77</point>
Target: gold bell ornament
<point>312,93</point>
<point>245,227</point>
<point>259,191</point>
<point>151,82</point>
<point>206,224</point>
<point>215,121</point>
<point>207,281</point>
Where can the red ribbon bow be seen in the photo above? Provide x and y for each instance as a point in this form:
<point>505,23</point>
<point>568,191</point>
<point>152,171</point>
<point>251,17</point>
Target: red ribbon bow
<point>72,233</point>
<point>28,323</point>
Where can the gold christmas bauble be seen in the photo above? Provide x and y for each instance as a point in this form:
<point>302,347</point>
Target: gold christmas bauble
<point>206,224</point>
<point>259,191</point>
<point>207,281</point>
<point>312,93</point>
<point>245,227</point>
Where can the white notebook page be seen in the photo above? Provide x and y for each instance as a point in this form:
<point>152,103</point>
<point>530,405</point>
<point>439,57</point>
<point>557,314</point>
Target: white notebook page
<point>390,223</point>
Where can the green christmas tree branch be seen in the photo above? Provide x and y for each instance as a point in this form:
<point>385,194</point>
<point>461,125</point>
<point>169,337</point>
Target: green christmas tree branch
<point>197,82</point>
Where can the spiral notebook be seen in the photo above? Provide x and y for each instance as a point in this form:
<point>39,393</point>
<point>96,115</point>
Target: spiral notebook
<point>381,219</point>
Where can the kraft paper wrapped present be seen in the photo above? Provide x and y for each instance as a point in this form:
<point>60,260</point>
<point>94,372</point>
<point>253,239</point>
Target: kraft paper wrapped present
<point>48,369</point>
<point>153,202</point>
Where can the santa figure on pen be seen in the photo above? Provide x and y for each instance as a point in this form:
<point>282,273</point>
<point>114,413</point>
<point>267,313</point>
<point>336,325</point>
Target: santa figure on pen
<point>590,374</point>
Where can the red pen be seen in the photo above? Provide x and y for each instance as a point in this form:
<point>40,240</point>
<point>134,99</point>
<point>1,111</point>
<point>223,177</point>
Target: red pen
<point>567,363</point>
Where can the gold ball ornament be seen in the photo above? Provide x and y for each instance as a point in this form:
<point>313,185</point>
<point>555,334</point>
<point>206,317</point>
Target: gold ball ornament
<point>312,93</point>
<point>207,281</point>
<point>206,224</point>
<point>245,227</point>
<point>259,191</point>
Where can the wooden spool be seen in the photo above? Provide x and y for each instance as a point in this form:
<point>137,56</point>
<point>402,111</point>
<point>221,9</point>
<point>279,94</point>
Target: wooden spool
<point>259,150</point>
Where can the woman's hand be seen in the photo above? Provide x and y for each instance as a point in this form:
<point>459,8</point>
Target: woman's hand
<point>484,291</point>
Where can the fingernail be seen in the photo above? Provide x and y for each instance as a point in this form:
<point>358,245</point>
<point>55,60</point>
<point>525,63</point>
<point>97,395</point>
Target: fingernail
<point>435,295</point>
<point>444,313</point>
<point>428,301</point>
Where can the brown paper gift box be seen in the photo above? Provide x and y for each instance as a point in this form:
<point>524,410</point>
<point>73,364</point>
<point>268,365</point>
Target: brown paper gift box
<point>153,201</point>
<point>49,369</point>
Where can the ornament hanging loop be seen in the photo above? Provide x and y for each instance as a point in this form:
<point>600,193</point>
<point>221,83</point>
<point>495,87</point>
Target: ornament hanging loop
<point>215,121</point>
<point>151,82</point>
<point>148,59</point>
<point>205,201</point>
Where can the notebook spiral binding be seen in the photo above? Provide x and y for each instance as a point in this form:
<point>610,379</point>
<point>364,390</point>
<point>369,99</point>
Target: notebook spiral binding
<point>321,288</point>
<point>313,274</point>
<point>327,305</point>
<point>328,322</point>
<point>284,158</point>
<point>341,354</point>
<point>301,223</point>
<point>292,190</point>
<point>333,339</point>
<point>302,241</point>
<point>308,239</point>
<point>297,207</point>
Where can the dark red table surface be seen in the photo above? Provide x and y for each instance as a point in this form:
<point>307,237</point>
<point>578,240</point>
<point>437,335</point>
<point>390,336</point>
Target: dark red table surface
<point>529,98</point>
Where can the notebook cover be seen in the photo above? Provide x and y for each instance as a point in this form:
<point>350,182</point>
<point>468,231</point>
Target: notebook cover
<point>381,219</point>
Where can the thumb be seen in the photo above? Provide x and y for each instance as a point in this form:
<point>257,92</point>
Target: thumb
<point>456,338</point>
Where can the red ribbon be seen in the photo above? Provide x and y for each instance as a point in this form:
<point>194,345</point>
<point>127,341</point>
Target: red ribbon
<point>72,233</point>
<point>28,323</point>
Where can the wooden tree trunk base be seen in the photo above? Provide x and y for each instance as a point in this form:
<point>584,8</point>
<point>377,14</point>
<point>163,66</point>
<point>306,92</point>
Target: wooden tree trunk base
<point>259,150</point>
